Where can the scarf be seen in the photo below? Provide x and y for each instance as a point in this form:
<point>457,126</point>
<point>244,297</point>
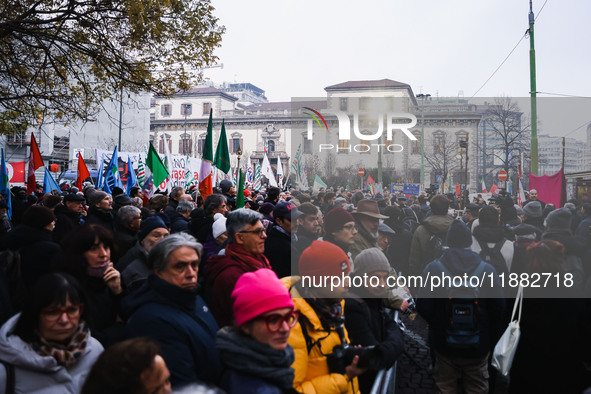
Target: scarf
<point>254,262</point>
<point>98,271</point>
<point>246,355</point>
<point>65,354</point>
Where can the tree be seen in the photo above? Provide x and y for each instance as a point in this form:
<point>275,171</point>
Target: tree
<point>60,59</point>
<point>506,135</point>
<point>442,158</point>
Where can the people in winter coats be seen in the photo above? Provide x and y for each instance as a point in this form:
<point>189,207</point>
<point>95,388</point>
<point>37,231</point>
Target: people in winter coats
<point>48,347</point>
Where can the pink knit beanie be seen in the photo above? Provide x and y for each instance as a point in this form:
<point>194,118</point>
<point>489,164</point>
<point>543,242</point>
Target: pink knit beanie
<point>258,292</point>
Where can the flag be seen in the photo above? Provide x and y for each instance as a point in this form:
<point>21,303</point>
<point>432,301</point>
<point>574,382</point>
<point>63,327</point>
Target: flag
<point>279,172</point>
<point>35,161</point>
<point>318,183</point>
<point>83,172</point>
<point>155,165</point>
<point>371,183</point>
<point>258,179</point>
<point>189,174</point>
<point>296,165</point>
<point>520,190</point>
<point>131,178</point>
<point>483,186</point>
<point>240,194</point>
<point>222,154</point>
<point>267,171</point>
<point>99,177</point>
<point>167,163</point>
<point>304,180</point>
<point>112,177</point>
<point>141,172</point>
<point>205,176</point>
<point>509,187</point>
<point>4,186</point>
<point>249,172</point>
<point>49,184</point>
<point>493,189</point>
<point>265,145</point>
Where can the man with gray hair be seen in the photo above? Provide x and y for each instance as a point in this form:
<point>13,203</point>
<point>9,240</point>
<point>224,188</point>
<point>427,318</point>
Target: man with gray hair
<point>168,309</point>
<point>244,253</point>
<point>127,224</point>
<point>175,196</point>
<point>179,222</point>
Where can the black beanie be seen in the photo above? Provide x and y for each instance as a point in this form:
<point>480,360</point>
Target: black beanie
<point>459,235</point>
<point>37,216</point>
<point>149,224</point>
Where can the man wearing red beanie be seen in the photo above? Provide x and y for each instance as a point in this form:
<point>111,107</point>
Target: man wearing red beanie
<point>319,299</point>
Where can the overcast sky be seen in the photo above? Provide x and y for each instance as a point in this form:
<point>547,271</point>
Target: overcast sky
<point>444,48</point>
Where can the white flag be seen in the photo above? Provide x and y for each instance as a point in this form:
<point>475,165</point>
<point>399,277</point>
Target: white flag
<point>280,172</point>
<point>249,172</point>
<point>268,171</point>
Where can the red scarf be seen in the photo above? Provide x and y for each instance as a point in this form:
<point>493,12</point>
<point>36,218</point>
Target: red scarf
<point>252,261</point>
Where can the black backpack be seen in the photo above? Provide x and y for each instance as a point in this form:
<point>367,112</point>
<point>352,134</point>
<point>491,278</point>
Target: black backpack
<point>410,220</point>
<point>493,256</point>
<point>436,245</point>
<point>462,326</point>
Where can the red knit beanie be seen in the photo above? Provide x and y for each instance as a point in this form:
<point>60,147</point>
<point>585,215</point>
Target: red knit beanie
<point>258,292</point>
<point>323,258</point>
<point>335,219</point>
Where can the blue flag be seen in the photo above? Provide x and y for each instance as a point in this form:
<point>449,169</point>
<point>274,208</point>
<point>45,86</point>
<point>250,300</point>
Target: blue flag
<point>131,178</point>
<point>99,177</point>
<point>112,177</point>
<point>49,184</point>
<point>4,185</point>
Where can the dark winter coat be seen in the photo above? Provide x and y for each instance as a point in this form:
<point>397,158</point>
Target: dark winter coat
<point>433,305</point>
<point>179,224</point>
<point>137,252</point>
<point>419,255</point>
<point>577,254</point>
<point>180,321</point>
<point>170,209</point>
<point>398,252</point>
<point>279,250</point>
<point>584,229</point>
<point>66,222</point>
<point>125,239</point>
<point>369,325</point>
<point>305,239</point>
<point>100,217</point>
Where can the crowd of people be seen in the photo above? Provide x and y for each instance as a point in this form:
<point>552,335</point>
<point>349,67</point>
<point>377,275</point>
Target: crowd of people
<point>122,293</point>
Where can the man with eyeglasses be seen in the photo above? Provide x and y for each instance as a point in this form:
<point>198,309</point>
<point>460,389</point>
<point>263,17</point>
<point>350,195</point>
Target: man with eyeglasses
<point>244,253</point>
<point>340,229</point>
<point>168,309</point>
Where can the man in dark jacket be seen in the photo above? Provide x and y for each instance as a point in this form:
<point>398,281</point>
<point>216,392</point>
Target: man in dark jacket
<point>466,361</point>
<point>367,216</point>
<point>584,227</point>
<point>175,196</point>
<point>399,251</point>
<point>69,216</point>
<point>229,191</point>
<point>179,222</point>
<point>307,225</point>
<point>279,246</point>
<point>167,309</point>
<point>127,224</point>
<point>100,209</point>
<point>244,253</point>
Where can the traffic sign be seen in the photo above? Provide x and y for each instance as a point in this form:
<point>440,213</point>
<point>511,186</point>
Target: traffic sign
<point>361,172</point>
<point>502,175</point>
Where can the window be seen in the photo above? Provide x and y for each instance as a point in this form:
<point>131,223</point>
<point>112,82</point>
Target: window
<point>235,144</point>
<point>270,146</point>
<point>200,144</point>
<point>416,145</point>
<point>343,104</point>
<point>206,108</point>
<point>185,145</point>
<point>186,109</point>
<point>343,146</point>
<point>364,103</point>
<point>362,148</point>
<point>438,142</point>
<point>166,109</point>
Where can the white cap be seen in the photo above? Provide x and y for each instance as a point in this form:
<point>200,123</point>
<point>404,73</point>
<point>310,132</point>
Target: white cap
<point>219,225</point>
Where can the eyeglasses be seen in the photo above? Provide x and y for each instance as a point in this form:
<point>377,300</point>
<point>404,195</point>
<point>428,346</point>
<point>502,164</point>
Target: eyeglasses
<point>275,321</point>
<point>350,227</point>
<point>258,232</point>
<point>53,313</point>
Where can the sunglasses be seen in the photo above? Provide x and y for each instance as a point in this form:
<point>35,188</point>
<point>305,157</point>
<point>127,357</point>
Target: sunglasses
<point>275,321</point>
<point>53,313</point>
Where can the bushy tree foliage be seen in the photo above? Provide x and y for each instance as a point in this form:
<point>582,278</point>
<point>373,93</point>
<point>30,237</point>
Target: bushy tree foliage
<point>59,59</point>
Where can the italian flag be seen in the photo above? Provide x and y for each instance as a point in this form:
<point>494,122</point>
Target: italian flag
<point>483,186</point>
<point>205,175</point>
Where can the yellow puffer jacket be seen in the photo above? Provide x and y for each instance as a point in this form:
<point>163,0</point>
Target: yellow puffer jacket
<point>311,370</point>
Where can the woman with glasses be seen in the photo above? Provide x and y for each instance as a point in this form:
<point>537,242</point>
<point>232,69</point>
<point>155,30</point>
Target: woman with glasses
<point>340,229</point>
<point>47,348</point>
<point>87,257</point>
<point>255,352</point>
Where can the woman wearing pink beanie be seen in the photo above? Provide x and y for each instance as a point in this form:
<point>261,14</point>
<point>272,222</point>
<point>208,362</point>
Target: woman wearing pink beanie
<point>255,352</point>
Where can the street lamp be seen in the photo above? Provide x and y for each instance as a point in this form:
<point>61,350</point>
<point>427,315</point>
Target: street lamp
<point>239,155</point>
<point>422,97</point>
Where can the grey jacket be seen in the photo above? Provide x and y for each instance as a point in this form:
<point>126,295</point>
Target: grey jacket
<point>35,374</point>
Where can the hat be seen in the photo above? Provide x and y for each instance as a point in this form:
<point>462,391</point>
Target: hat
<point>370,260</point>
<point>287,210</point>
<point>51,200</point>
<point>260,198</point>
<point>559,219</point>
<point>149,224</point>
<point>267,208</point>
<point>384,228</point>
<point>226,185</point>
<point>258,292</point>
<point>472,207</point>
<point>323,258</point>
<point>246,193</point>
<point>37,216</point>
<point>524,229</point>
<point>73,197</point>
<point>219,225</point>
<point>123,199</point>
<point>335,219</point>
<point>533,209</point>
<point>95,196</point>
<point>369,208</point>
<point>340,200</point>
<point>459,235</point>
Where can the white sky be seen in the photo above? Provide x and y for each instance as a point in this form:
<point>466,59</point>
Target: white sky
<point>444,48</point>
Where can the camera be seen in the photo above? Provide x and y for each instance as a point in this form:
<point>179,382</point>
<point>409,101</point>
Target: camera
<point>343,355</point>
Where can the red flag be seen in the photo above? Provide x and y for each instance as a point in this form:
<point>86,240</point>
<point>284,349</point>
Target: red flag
<point>493,189</point>
<point>35,161</point>
<point>369,180</point>
<point>82,172</point>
